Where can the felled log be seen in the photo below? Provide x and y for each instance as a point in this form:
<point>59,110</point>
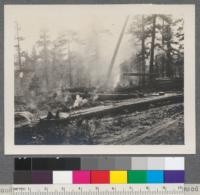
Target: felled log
<point>130,105</point>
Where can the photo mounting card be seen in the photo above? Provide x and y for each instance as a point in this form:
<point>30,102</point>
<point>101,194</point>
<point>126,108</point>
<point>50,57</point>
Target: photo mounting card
<point>99,79</point>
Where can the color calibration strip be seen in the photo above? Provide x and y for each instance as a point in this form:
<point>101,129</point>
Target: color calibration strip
<point>117,170</point>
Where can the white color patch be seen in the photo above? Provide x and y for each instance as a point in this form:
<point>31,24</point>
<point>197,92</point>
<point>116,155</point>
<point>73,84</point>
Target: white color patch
<point>174,163</point>
<point>61,177</point>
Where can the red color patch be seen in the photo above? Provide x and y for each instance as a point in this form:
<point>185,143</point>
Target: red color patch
<point>100,177</point>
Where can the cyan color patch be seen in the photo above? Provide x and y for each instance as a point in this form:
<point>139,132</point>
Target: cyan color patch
<point>155,176</point>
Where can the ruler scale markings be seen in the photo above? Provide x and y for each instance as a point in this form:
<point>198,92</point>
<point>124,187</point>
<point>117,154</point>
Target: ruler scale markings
<point>100,190</point>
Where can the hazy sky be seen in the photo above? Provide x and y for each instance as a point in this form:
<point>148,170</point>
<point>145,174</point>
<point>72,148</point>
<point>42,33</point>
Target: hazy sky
<point>59,19</point>
<point>83,19</point>
<point>94,26</point>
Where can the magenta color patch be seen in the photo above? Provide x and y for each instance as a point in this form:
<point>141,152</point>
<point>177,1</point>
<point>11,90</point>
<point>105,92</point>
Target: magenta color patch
<point>81,177</point>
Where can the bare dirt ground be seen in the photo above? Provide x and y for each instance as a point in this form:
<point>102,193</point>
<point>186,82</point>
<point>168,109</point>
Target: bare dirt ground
<point>161,125</point>
<point>156,125</point>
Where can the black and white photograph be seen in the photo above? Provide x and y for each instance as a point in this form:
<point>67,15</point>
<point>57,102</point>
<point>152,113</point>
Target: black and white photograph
<point>99,75</point>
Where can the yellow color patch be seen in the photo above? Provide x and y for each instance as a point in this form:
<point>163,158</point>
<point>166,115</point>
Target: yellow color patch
<point>118,177</point>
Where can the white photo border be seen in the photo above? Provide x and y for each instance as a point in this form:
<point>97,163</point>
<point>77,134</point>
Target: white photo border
<point>189,147</point>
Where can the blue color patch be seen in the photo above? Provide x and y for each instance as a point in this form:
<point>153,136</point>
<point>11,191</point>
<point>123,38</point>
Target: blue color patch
<point>155,176</point>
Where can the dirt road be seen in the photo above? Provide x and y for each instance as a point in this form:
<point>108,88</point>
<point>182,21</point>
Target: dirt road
<point>161,125</point>
<point>156,125</point>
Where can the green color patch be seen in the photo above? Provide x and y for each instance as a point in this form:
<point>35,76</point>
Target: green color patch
<point>137,176</point>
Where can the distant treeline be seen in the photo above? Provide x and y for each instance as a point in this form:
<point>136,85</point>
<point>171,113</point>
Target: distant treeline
<point>160,43</point>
